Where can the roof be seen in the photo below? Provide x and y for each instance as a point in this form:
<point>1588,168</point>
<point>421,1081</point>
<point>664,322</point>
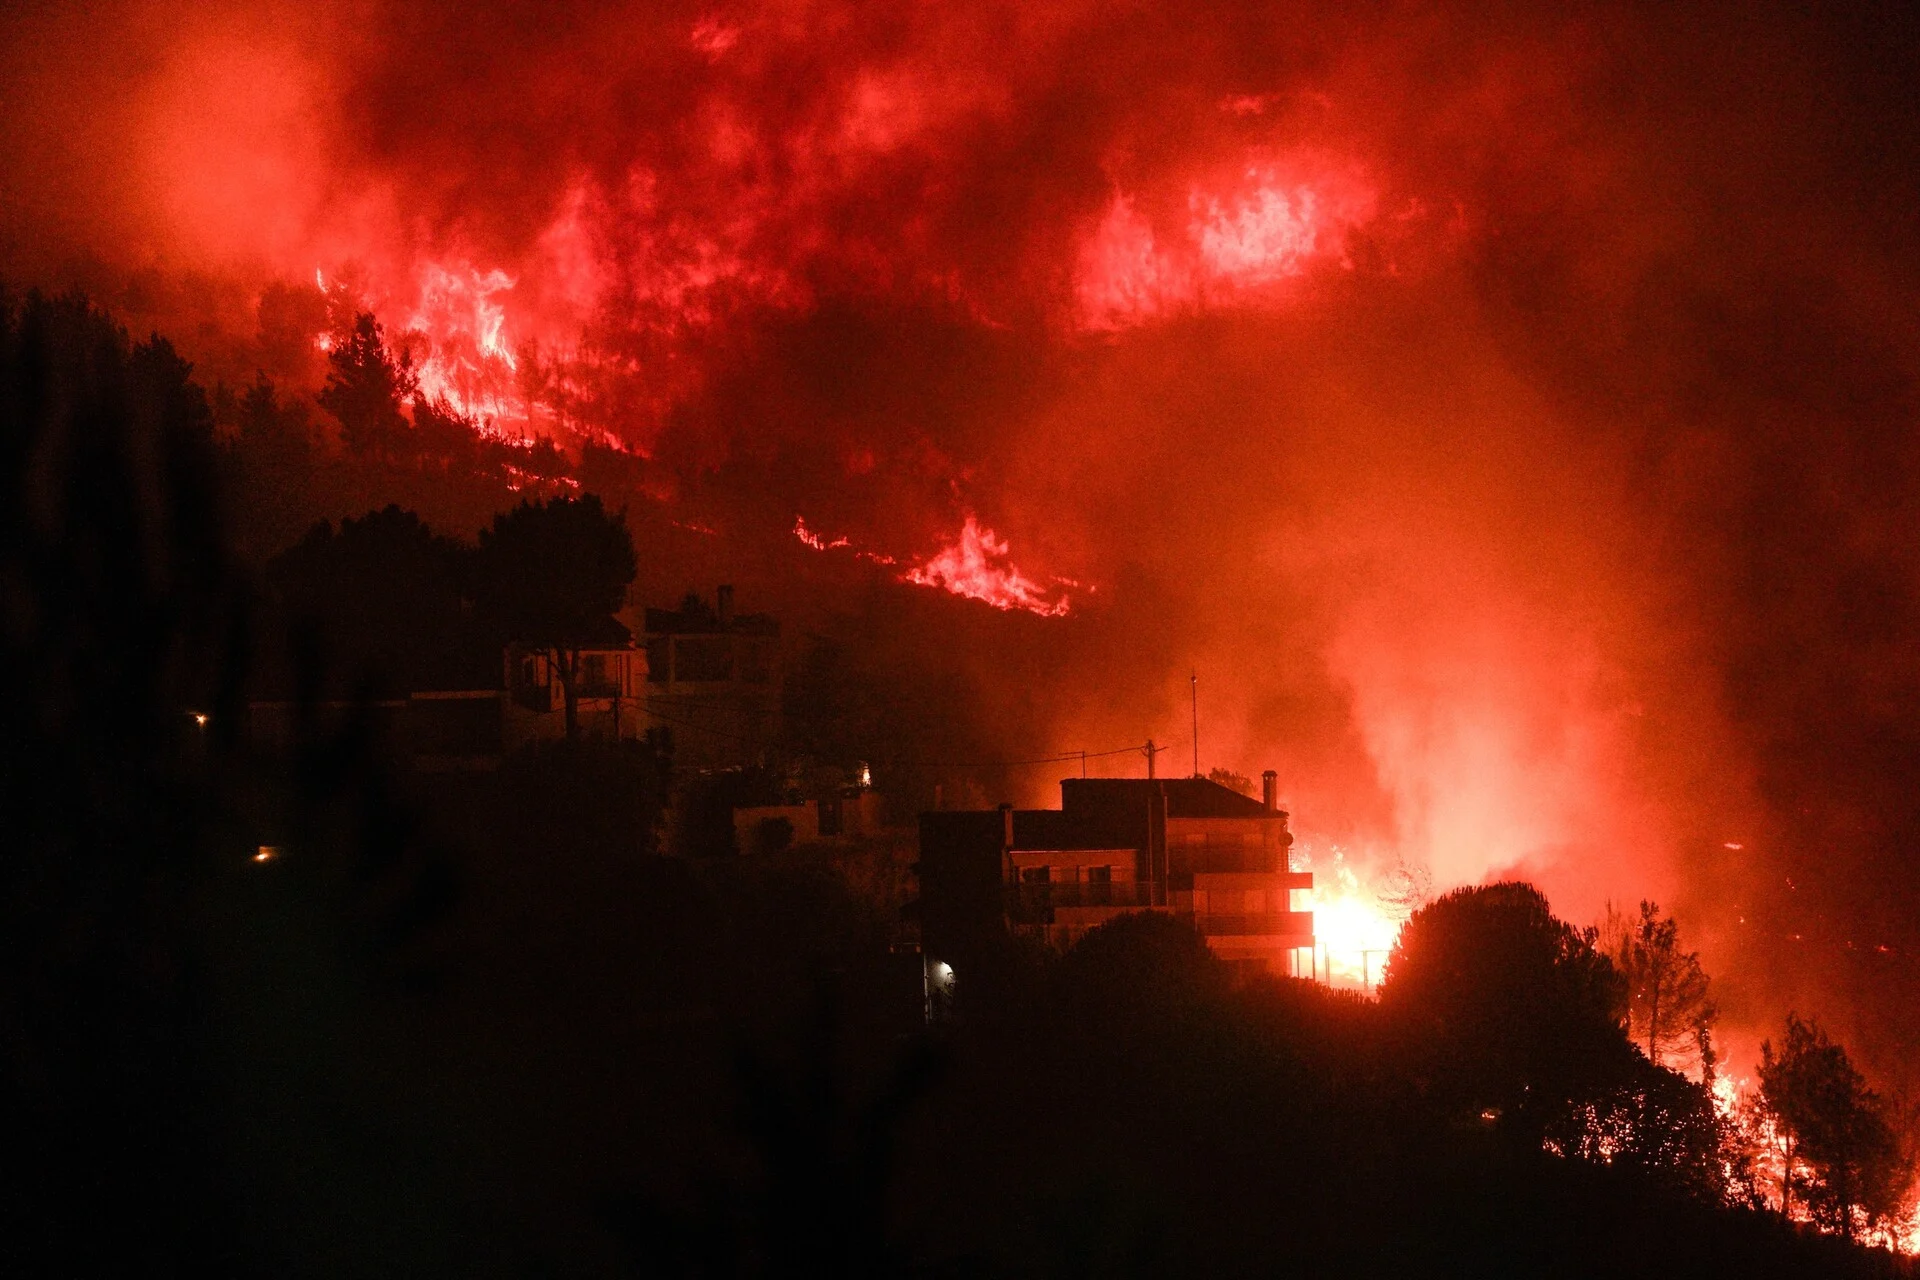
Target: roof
<point>675,622</point>
<point>1101,813</point>
<point>1186,797</point>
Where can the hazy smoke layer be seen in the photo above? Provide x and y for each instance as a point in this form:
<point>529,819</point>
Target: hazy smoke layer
<point>1509,417</point>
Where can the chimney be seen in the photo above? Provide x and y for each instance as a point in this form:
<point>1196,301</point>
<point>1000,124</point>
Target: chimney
<point>1270,790</point>
<point>723,605</point>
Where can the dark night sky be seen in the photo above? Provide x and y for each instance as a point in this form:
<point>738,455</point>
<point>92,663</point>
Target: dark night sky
<point>1509,412</point>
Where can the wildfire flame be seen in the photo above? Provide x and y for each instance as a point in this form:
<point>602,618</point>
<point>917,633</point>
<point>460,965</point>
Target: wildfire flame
<point>1241,239</point>
<point>1355,923</point>
<point>976,564</point>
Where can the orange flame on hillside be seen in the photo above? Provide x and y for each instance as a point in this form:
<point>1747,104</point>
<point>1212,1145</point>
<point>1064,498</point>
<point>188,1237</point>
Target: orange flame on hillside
<point>977,564</point>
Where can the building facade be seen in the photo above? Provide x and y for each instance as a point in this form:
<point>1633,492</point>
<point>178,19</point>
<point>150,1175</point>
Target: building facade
<point>714,679</point>
<point>1186,846</point>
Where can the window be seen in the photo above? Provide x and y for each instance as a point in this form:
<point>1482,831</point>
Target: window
<point>1035,875</point>
<point>1099,886</point>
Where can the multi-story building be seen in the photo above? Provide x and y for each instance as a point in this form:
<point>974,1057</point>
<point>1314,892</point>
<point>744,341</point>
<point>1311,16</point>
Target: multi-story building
<point>713,678</point>
<point>1186,846</point>
<point>472,724</point>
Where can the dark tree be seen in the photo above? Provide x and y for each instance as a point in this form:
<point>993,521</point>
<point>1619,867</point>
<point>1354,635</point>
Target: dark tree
<point>551,575</point>
<point>1505,1008</point>
<point>382,595</point>
<point>367,390</point>
<point>1231,781</point>
<point>275,456</point>
<point>442,433</point>
<point>1832,1123</point>
<point>1670,1013</point>
<point>122,624</point>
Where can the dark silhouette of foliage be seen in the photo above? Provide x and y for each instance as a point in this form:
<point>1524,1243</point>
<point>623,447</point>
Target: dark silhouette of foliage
<point>1830,1121</point>
<point>382,593</point>
<point>368,389</point>
<point>552,574</point>
<point>1670,1012</point>
<point>1232,781</point>
<point>1506,1008</point>
<point>441,432</point>
<point>122,626</point>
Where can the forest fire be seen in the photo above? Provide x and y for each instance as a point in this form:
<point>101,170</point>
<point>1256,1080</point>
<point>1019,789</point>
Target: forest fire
<point>975,564</point>
<point>1511,413</point>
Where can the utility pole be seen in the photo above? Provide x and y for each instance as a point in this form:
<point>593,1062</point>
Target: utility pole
<point>1366,971</point>
<point>1196,722</point>
<point>1152,751</point>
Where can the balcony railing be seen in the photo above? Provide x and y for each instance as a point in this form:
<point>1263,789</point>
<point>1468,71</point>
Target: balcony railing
<point>1267,923</point>
<point>1035,903</point>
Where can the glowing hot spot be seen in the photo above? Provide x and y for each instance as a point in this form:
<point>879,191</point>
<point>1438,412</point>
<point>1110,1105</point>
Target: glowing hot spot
<point>976,565</point>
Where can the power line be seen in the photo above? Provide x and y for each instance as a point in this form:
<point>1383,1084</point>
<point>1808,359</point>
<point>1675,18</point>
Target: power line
<point>1066,757</point>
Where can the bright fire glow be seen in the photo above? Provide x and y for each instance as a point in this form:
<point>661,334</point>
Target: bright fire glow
<point>461,318</point>
<point>1241,239</point>
<point>1353,923</point>
<point>976,565</point>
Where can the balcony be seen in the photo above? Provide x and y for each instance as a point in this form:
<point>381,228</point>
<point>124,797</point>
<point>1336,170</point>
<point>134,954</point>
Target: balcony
<point>1036,903</point>
<point>1296,924</point>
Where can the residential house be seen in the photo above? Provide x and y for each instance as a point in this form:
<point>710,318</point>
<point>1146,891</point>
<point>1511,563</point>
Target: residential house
<point>1185,846</point>
<point>714,679</point>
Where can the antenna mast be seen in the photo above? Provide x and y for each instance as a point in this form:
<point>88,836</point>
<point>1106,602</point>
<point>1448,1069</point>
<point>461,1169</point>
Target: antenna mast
<point>1196,722</point>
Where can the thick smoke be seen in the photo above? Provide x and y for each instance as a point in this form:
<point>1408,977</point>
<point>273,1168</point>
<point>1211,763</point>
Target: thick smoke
<point>1508,417</point>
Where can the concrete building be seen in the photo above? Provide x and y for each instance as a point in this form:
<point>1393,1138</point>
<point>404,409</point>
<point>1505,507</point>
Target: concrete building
<point>1186,846</point>
<point>851,815</point>
<point>714,678</point>
<point>473,728</point>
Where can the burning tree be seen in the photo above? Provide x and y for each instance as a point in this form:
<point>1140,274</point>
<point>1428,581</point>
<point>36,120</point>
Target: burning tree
<point>1669,1010</point>
<point>552,574</point>
<point>1837,1149</point>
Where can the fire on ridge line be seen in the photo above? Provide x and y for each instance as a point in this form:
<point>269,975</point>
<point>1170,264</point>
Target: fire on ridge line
<point>976,564</point>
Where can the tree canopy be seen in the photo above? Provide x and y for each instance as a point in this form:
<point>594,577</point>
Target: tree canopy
<point>367,389</point>
<point>552,574</point>
<point>1669,1009</point>
<point>1840,1153</point>
<point>1505,1007</point>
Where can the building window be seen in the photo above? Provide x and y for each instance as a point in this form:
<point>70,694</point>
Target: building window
<point>1099,886</point>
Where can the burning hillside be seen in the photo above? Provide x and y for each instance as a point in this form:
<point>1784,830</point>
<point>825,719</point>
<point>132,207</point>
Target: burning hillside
<point>1502,410</point>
